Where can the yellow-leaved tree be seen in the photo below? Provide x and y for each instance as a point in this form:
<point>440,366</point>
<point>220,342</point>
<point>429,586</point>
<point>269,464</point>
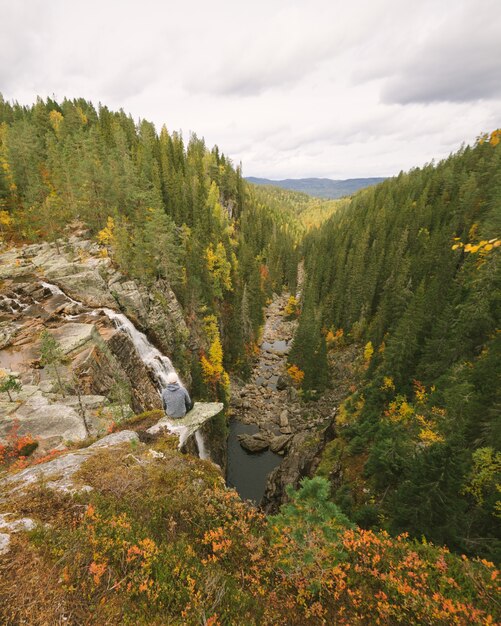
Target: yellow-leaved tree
<point>106,236</point>
<point>368,351</point>
<point>5,221</point>
<point>213,372</point>
<point>56,119</point>
<point>219,267</point>
<point>292,308</point>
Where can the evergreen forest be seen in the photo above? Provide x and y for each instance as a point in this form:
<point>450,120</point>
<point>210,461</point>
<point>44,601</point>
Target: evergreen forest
<point>399,521</point>
<point>166,210</point>
<point>410,270</point>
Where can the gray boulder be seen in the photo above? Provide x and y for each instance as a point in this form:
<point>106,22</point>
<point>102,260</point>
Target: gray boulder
<point>279,443</point>
<point>59,473</point>
<point>188,425</point>
<point>254,443</point>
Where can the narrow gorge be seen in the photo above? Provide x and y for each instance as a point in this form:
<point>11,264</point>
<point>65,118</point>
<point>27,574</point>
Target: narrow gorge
<point>341,464</point>
<point>280,436</point>
<point>115,371</point>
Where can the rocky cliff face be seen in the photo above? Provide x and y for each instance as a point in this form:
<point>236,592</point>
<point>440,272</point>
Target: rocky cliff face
<point>68,293</point>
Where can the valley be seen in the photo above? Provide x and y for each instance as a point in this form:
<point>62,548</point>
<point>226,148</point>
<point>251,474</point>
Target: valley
<point>344,359</point>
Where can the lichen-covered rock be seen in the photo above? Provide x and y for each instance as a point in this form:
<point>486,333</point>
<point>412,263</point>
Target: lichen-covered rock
<point>279,443</point>
<point>43,419</point>
<point>4,543</point>
<point>144,392</point>
<point>303,450</point>
<point>188,425</point>
<point>73,336</point>
<point>75,293</point>
<point>15,525</point>
<point>60,472</point>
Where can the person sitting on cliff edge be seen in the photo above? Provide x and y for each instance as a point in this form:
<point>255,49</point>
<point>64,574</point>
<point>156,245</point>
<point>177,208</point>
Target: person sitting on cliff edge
<point>175,399</point>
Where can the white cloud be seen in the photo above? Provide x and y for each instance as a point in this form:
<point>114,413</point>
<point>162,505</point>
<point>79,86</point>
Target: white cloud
<point>324,88</point>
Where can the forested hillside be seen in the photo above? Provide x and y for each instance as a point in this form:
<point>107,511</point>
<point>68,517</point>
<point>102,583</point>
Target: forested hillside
<point>319,187</point>
<point>303,211</point>
<point>165,210</point>
<point>402,283</point>
<point>410,269</point>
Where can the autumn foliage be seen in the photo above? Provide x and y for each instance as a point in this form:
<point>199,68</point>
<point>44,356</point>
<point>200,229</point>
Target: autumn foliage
<point>296,374</point>
<point>163,541</point>
<point>213,372</point>
<point>17,448</point>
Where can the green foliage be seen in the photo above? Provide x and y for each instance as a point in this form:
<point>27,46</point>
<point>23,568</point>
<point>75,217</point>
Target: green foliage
<point>161,540</point>
<point>164,210</point>
<point>310,510</point>
<point>309,350</point>
<point>52,355</point>
<point>391,270</point>
<point>8,383</point>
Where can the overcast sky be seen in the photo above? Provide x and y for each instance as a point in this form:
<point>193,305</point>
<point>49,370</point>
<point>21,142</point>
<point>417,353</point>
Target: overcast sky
<point>289,88</point>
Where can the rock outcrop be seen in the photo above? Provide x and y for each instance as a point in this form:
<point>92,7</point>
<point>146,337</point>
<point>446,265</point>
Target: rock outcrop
<point>87,277</point>
<point>58,474</point>
<point>303,456</point>
<point>187,426</point>
<point>254,443</point>
<point>68,293</point>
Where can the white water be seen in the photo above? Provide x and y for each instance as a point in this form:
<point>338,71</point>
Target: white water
<point>203,451</point>
<point>154,360</point>
<point>55,291</point>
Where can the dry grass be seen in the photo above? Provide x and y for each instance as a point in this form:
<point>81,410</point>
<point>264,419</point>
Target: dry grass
<point>31,591</point>
<point>142,421</point>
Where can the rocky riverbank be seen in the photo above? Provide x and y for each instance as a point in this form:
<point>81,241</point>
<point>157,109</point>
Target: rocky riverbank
<point>289,426</point>
<point>268,399</point>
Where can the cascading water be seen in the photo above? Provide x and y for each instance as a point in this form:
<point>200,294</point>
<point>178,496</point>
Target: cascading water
<point>159,365</point>
<point>154,360</point>
<point>56,291</point>
<point>203,452</point>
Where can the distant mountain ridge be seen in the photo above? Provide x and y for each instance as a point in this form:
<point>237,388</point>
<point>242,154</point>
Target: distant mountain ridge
<point>319,187</point>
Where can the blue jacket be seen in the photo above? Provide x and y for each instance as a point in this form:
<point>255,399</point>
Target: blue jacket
<point>176,400</point>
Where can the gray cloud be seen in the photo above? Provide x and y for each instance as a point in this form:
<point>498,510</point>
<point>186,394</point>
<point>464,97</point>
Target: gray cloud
<point>459,62</point>
<point>22,42</point>
<point>323,88</point>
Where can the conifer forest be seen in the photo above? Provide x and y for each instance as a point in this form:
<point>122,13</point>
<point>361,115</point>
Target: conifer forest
<point>393,303</point>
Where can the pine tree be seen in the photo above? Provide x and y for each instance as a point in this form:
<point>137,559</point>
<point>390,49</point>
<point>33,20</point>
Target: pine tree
<point>52,355</point>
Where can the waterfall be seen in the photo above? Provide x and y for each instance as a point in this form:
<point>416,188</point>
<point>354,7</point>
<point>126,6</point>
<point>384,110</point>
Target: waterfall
<point>203,452</point>
<point>155,361</point>
<point>55,291</point>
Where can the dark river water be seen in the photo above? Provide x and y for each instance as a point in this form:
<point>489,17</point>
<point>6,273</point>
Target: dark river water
<point>247,472</point>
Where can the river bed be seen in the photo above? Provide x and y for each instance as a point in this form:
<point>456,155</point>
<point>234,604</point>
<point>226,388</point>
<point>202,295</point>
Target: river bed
<point>246,472</point>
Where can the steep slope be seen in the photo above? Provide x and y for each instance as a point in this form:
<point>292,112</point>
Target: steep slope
<point>125,532</point>
<point>319,187</point>
<point>410,269</point>
<point>179,258</point>
<point>164,211</point>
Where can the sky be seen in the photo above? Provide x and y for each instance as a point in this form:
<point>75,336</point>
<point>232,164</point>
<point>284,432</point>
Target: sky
<point>291,89</point>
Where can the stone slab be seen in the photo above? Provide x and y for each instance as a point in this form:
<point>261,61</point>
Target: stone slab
<point>186,426</point>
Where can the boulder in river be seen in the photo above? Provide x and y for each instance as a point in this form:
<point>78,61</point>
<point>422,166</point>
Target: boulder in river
<point>254,443</point>
<point>277,444</point>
